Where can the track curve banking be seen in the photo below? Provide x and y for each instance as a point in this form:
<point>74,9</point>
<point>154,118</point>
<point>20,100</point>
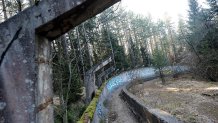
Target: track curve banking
<point>113,84</point>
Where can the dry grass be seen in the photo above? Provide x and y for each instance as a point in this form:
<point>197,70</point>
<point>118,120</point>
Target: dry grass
<point>190,100</point>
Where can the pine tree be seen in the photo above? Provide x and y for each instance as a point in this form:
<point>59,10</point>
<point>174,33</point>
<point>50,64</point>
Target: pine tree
<point>213,7</point>
<point>194,15</point>
<point>159,61</point>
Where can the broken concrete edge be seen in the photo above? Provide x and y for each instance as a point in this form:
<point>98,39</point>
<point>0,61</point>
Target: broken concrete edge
<point>142,112</point>
<point>88,114</point>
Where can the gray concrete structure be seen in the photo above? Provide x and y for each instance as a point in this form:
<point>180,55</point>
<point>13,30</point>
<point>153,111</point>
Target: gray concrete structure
<point>123,79</point>
<point>90,78</point>
<point>104,76</point>
<point>25,62</point>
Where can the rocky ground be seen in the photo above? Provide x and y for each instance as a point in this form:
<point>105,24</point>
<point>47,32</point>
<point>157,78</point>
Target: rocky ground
<point>189,100</point>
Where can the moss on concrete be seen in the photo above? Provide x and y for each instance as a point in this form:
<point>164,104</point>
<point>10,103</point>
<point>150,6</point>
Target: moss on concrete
<point>89,112</point>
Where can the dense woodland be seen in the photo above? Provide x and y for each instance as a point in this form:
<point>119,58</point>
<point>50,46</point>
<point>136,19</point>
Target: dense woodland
<point>133,41</point>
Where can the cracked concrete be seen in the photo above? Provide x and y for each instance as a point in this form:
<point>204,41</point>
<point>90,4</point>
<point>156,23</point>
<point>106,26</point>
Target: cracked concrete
<point>49,19</point>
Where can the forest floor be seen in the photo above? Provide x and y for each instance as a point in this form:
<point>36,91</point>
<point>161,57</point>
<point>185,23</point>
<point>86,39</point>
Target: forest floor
<point>119,111</point>
<point>190,100</point>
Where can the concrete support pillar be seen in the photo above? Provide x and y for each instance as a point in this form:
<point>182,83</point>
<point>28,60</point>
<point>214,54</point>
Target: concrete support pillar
<point>25,67</point>
<point>44,96</point>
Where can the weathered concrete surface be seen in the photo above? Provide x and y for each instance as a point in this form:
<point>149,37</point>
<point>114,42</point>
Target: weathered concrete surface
<point>144,114</point>
<point>121,81</point>
<point>104,76</point>
<point>18,61</point>
<point>116,83</point>
<point>119,111</point>
<point>90,78</point>
<point>44,87</point>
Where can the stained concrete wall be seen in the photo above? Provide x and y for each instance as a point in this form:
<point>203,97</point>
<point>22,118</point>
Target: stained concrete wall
<point>103,76</point>
<point>115,83</point>
<point>90,86</point>
<point>143,113</point>
<point>90,78</point>
<point>121,81</point>
<point>18,50</point>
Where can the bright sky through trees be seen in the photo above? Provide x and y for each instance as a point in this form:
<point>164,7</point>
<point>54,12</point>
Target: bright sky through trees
<point>159,8</point>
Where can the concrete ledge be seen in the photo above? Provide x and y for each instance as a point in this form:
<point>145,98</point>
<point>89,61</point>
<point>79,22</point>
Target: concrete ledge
<point>142,113</point>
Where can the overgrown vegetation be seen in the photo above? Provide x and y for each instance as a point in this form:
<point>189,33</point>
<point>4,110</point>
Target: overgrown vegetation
<point>160,61</point>
<point>202,38</point>
<point>133,41</point>
<point>89,112</point>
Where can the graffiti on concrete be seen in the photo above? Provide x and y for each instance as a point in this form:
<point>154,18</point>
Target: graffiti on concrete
<point>99,110</point>
<point>123,79</point>
<point>114,83</point>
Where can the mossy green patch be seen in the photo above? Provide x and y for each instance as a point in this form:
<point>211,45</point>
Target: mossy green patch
<point>89,112</point>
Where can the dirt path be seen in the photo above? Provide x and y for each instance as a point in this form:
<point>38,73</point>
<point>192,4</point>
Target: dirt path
<point>119,112</point>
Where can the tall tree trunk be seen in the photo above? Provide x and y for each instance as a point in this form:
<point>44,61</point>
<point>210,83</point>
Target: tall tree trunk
<point>172,43</point>
<point>151,44</point>
<point>80,52</point>
<point>68,61</point>
<point>154,32</point>
<point>19,3</point>
<point>75,52</point>
<point>64,46</point>
<point>112,49</point>
<point>4,10</point>
<point>88,46</point>
<point>162,76</point>
<point>137,47</point>
<point>60,74</point>
<point>132,50</point>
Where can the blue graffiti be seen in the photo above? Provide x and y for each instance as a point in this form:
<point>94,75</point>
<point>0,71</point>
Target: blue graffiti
<point>99,110</point>
<point>114,83</point>
<point>119,81</point>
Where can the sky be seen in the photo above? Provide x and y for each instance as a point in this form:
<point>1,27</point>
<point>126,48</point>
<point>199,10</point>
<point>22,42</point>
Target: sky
<point>159,8</point>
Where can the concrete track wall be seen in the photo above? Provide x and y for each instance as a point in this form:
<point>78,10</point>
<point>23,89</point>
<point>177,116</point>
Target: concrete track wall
<point>143,113</point>
<point>121,81</point>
